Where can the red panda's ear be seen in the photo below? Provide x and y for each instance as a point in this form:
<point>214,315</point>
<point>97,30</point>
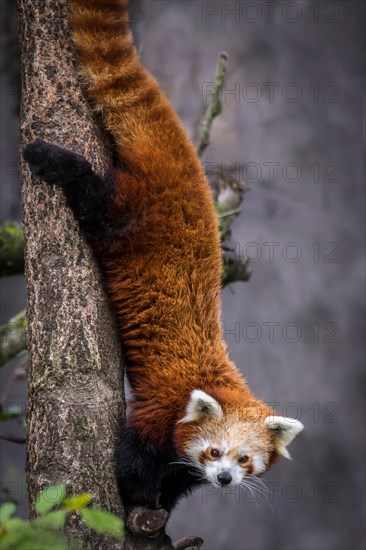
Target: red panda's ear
<point>286,429</point>
<point>201,405</point>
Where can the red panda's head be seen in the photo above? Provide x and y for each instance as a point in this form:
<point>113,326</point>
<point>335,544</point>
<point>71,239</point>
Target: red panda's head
<point>226,440</point>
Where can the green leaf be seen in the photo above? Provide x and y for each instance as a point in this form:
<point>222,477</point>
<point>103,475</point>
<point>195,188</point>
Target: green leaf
<point>50,497</point>
<point>103,522</point>
<point>53,520</point>
<point>77,502</point>
<point>6,510</point>
<point>9,416</point>
<point>29,538</point>
<point>14,523</point>
<point>13,411</point>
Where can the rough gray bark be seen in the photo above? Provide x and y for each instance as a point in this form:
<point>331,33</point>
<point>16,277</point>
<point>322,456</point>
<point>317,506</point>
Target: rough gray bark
<point>75,367</point>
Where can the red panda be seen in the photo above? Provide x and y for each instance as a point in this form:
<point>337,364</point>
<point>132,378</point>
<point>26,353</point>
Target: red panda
<point>153,228</point>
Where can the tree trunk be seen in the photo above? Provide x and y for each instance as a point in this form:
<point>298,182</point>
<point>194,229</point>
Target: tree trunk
<point>76,398</point>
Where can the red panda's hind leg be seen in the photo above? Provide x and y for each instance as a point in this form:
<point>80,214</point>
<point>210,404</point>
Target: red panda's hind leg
<point>86,192</point>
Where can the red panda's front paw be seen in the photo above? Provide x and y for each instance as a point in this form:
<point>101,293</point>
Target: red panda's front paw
<point>56,164</point>
<point>37,155</point>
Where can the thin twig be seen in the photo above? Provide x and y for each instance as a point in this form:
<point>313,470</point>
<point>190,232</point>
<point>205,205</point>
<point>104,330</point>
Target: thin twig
<point>214,105</point>
<point>228,213</point>
<point>13,337</point>
<point>13,439</point>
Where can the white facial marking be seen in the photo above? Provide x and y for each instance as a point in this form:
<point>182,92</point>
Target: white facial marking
<point>259,464</point>
<point>225,446</point>
<point>196,448</point>
<point>224,464</point>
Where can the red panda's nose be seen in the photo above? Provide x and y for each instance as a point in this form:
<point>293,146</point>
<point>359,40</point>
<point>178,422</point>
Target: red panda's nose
<point>224,477</point>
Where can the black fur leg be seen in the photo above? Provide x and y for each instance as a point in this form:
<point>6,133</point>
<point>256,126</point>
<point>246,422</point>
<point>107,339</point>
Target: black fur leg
<point>85,191</point>
<point>176,484</point>
<point>138,470</point>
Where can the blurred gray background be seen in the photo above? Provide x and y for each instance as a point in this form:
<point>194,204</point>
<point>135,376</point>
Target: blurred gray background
<point>291,127</point>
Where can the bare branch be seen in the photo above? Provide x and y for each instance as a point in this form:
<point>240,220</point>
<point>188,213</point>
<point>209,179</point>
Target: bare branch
<point>12,337</point>
<point>13,438</point>
<point>214,105</point>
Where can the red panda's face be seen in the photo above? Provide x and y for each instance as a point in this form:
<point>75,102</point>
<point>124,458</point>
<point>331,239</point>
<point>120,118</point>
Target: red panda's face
<point>225,462</point>
<point>228,450</point>
<point>228,445</point>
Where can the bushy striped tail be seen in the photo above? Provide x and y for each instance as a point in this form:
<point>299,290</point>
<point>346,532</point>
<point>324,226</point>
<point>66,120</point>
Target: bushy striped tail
<point>134,109</point>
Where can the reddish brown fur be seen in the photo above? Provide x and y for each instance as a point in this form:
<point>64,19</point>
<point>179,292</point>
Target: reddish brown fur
<point>164,270</point>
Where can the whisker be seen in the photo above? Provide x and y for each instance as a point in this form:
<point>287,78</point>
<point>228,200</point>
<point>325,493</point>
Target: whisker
<point>247,486</point>
<point>261,489</point>
<point>198,476</point>
<point>182,462</point>
<point>253,488</point>
<point>259,486</point>
<point>263,484</point>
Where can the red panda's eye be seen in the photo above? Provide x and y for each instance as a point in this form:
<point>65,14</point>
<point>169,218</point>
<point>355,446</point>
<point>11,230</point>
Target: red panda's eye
<point>243,459</point>
<point>215,453</point>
